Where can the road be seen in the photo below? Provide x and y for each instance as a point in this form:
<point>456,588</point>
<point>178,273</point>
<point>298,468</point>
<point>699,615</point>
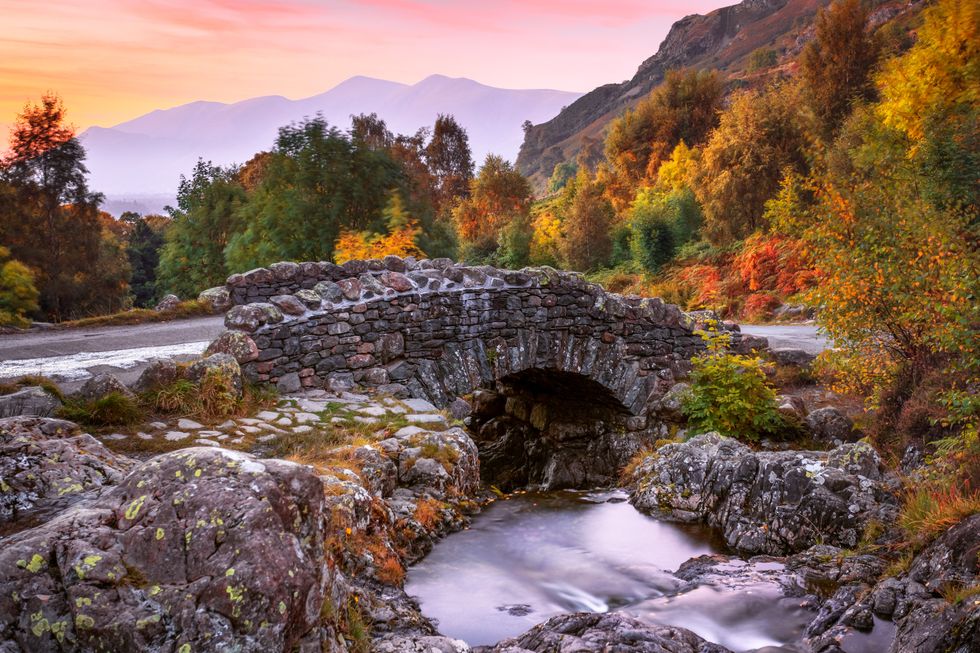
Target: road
<point>72,355</point>
<point>795,336</point>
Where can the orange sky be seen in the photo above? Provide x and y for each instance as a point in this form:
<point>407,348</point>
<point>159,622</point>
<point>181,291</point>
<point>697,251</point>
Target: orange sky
<point>112,60</point>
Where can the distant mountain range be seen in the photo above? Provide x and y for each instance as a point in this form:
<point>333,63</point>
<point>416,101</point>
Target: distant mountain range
<point>137,163</point>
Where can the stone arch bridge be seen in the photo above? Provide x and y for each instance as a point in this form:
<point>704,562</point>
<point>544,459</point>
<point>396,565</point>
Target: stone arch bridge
<point>542,349</point>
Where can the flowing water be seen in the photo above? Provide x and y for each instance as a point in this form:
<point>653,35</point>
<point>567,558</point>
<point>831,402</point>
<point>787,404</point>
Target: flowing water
<point>531,556</point>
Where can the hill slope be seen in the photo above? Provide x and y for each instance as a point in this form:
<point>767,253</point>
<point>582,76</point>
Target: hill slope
<point>722,39</point>
<point>145,156</point>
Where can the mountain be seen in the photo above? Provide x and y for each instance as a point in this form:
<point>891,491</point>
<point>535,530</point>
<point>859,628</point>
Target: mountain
<point>722,40</point>
<point>138,162</point>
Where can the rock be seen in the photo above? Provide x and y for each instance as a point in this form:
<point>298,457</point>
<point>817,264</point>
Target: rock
<point>160,373</point>
<point>791,406</point>
<point>288,304</point>
<point>460,408</point>
<point>101,385</point>
<point>167,304</point>
<point>202,549</point>
<point>31,400</point>
<point>748,344</point>
<point>46,463</point>
<point>329,291</point>
<point>218,298</point>
<point>830,425</point>
<point>792,357</point>
<point>289,383</point>
<point>437,461</point>
<point>217,364</point>
<point>310,298</point>
<point>236,343</point>
<point>771,502</point>
<point>251,316</point>
<point>420,644</point>
<point>704,319</point>
<point>672,403</point>
<point>185,424</point>
<point>587,632</point>
<point>792,312</point>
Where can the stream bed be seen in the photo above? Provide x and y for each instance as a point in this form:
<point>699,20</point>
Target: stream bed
<point>531,556</point>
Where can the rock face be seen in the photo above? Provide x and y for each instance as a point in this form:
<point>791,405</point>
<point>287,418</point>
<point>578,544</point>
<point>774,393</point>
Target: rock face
<point>586,632</point>
<point>443,330</point>
<point>47,463</point>
<point>202,549</point>
<point>29,401</point>
<point>766,502</point>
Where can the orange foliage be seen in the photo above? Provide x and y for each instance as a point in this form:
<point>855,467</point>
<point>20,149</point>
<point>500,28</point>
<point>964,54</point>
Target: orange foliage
<point>400,242</point>
<point>773,263</point>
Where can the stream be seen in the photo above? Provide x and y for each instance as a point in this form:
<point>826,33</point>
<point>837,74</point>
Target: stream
<point>531,556</point>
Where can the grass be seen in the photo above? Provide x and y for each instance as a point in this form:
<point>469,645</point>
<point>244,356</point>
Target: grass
<point>46,384</point>
<point>114,409</point>
<point>428,513</point>
<point>956,593</point>
<point>931,508</point>
<point>629,470</point>
<point>186,309</point>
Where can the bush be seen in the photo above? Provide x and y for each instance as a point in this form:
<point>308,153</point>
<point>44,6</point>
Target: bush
<point>730,393</point>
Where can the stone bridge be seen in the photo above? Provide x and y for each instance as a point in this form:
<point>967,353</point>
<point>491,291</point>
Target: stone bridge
<point>540,348</point>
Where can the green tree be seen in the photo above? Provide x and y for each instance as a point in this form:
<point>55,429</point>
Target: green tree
<point>143,245</point>
<point>203,223</point>
<point>836,65</point>
<point>660,223</point>
<point>759,137</point>
<point>18,296</point>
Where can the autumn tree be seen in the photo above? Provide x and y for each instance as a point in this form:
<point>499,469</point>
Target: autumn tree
<point>48,217</point>
<point>18,296</point>
<point>586,243</point>
<point>498,195</point>
<point>399,240</point>
<point>683,108</point>
<point>836,65</point>
<point>759,137</point>
<point>449,159</point>
<point>204,221</point>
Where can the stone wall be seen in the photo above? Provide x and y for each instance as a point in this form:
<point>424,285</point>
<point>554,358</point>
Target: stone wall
<point>438,330</point>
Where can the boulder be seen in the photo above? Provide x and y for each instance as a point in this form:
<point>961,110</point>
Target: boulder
<point>224,364</point>
<point>101,385</point>
<point>235,343</point>
<point>588,632</point>
<point>160,373</point>
<point>792,357</point>
<point>167,304</point>
<point>47,463</point>
<point>202,549</point>
<point>217,298</point>
<point>766,502</point>
<point>31,400</point>
<point>748,344</point>
<point>830,425</point>
<point>250,317</point>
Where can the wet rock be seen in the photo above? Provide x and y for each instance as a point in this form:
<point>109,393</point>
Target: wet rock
<point>239,345</point>
<point>830,425</point>
<point>772,502</point>
<point>31,400</point>
<point>217,298</point>
<point>101,385</point>
<point>223,365</point>
<point>47,463</point>
<point>201,549</point>
<point>168,304</point>
<point>586,632</point>
<point>161,372</point>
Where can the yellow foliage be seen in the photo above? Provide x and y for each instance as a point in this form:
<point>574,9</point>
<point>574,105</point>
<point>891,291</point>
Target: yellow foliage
<point>400,242</point>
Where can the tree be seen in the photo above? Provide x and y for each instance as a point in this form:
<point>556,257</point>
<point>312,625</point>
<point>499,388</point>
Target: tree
<point>203,223</point>
<point>660,223</point>
<point>586,245</point>
<point>18,296</point>
<point>561,175</point>
<point>836,65</point>
<point>759,137</point>
<point>400,240</point>
<point>683,108</point>
<point>48,217</point>
<point>450,161</point>
<point>143,245</point>
<point>497,196</point>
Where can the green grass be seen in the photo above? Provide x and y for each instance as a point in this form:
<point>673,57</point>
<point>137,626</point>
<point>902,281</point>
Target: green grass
<point>46,384</point>
<point>114,409</point>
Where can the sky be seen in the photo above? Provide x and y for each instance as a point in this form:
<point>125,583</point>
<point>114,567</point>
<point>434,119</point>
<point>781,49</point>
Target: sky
<point>112,60</point>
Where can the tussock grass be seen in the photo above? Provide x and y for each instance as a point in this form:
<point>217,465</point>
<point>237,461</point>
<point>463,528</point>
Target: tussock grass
<point>931,508</point>
<point>46,384</point>
<point>114,409</point>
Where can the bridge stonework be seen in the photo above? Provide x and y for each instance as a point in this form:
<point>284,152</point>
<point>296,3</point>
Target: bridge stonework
<point>438,330</point>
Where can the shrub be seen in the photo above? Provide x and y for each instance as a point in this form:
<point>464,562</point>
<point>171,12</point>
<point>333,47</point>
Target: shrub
<point>114,409</point>
<point>730,393</point>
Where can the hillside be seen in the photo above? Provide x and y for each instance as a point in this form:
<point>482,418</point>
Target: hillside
<point>144,157</point>
<point>722,39</point>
